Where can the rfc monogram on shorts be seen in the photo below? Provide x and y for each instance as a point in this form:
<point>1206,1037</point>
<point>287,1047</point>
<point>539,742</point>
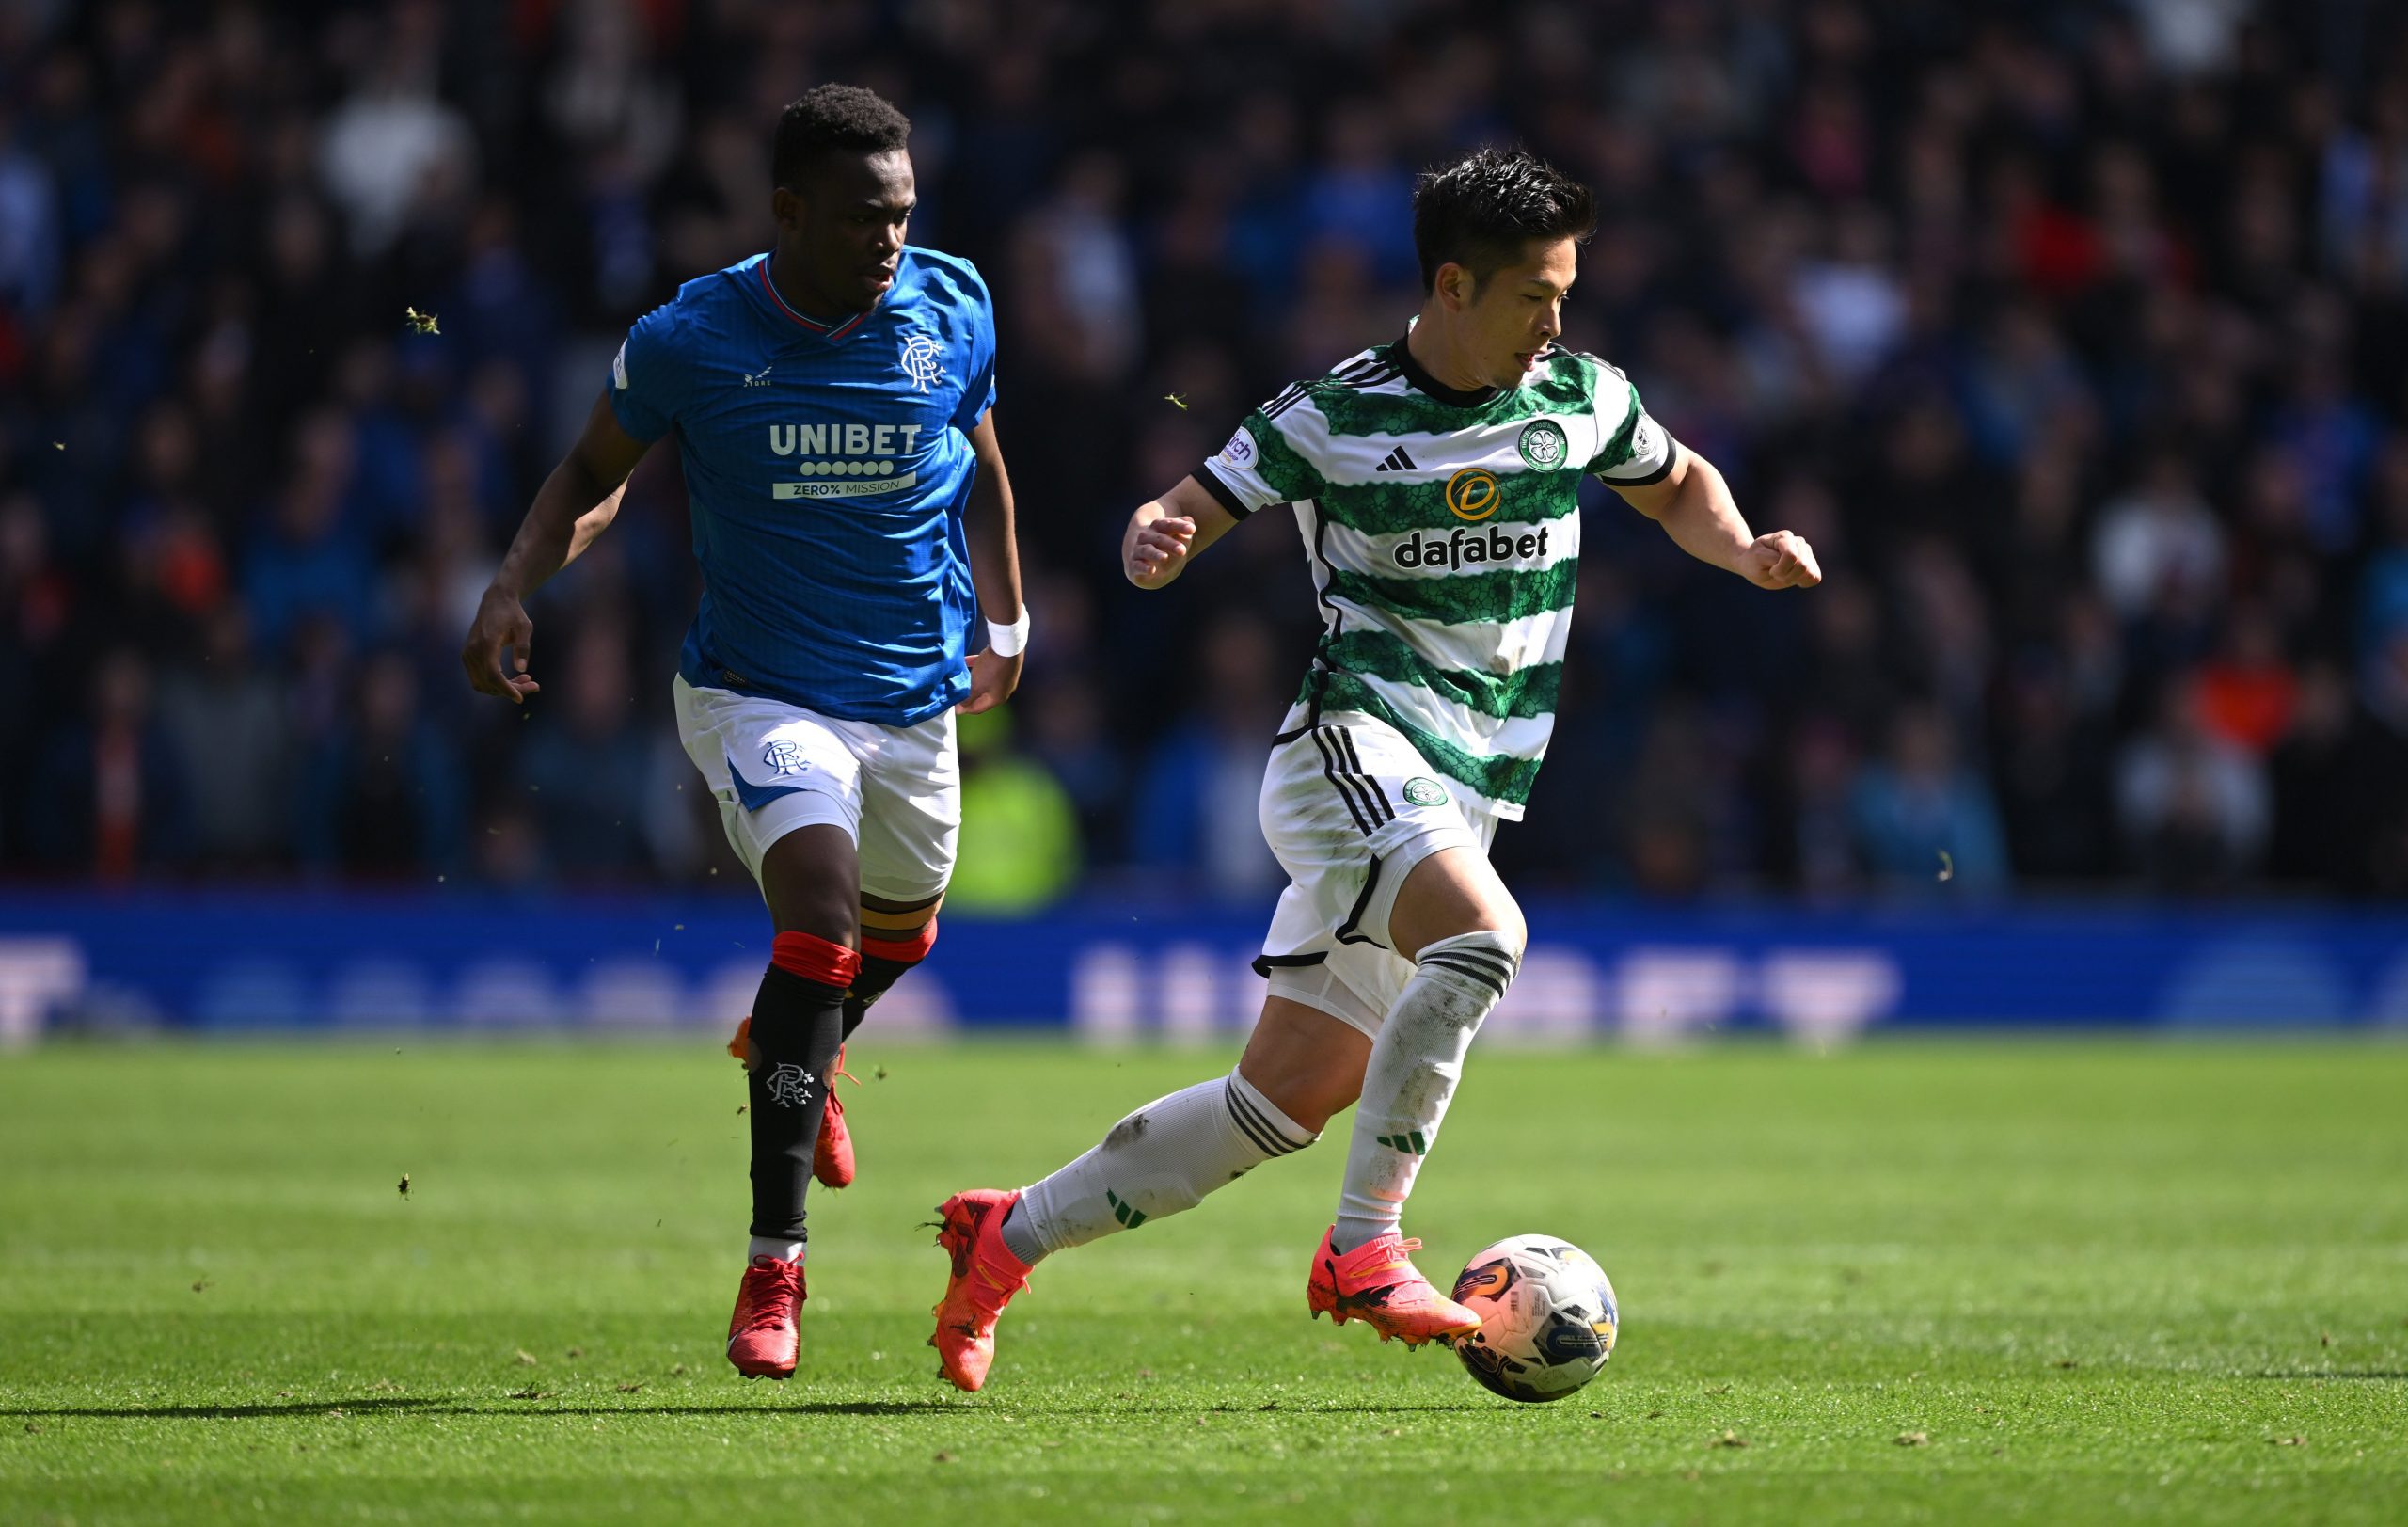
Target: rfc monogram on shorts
<point>1425,793</point>
<point>1542,444</point>
<point>784,758</point>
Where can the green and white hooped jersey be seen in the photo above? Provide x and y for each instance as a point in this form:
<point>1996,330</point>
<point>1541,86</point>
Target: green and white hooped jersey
<point>1444,533</point>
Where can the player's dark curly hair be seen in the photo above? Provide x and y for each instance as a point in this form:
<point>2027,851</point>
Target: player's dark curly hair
<point>833,118</point>
<point>1480,209</point>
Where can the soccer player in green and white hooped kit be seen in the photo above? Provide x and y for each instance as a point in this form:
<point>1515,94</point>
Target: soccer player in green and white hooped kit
<point>1436,481</point>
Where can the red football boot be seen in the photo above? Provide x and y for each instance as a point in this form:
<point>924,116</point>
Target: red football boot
<point>831,1156</point>
<point>1377,1284</point>
<point>985,1277</point>
<point>765,1336</point>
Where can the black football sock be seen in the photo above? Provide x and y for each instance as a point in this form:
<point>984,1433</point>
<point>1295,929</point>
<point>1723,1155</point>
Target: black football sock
<point>875,977</point>
<point>798,1023</point>
<point>883,963</point>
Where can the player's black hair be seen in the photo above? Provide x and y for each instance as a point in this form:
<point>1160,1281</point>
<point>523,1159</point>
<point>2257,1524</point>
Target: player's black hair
<point>833,118</point>
<point>1480,209</point>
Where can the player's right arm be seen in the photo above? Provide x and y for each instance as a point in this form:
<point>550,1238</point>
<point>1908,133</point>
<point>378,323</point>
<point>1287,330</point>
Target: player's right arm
<point>575,505</point>
<point>1166,532</point>
<point>1257,468</point>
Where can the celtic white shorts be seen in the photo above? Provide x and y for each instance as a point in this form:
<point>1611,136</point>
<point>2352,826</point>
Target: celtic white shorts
<point>1350,806</point>
<point>773,767</point>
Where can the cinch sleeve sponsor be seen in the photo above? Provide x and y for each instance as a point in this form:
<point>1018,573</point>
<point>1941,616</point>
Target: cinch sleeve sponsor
<point>1258,468</point>
<point>642,377</point>
<point>1640,452</point>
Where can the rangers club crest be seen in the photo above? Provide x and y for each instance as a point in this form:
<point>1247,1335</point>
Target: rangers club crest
<point>784,758</point>
<point>789,1085</point>
<point>923,362</point>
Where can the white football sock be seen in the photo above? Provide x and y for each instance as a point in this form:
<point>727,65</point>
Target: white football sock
<point>769,1246</point>
<point>1412,1074</point>
<point>1158,1161</point>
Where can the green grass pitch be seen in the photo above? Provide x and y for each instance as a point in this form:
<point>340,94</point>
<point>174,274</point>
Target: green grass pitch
<point>2030,1281</point>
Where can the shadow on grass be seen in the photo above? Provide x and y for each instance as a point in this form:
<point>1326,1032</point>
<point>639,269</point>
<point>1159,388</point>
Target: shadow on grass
<point>2377,1376</point>
<point>467,1407</point>
<point>218,1413</point>
<point>405,1405</point>
<point>1343,1408</point>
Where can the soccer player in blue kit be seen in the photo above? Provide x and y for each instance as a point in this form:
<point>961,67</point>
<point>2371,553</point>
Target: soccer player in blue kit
<point>831,401</point>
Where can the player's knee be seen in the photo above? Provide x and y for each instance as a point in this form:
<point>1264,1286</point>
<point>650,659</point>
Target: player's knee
<point>1453,893</point>
<point>819,911</point>
<point>1507,926</point>
<point>1495,914</point>
<point>1479,965</point>
<point>832,918</point>
<point>1499,947</point>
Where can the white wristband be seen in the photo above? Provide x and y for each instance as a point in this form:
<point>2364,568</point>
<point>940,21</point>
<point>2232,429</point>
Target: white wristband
<point>1008,641</point>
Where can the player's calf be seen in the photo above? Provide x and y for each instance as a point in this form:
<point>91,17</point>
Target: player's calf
<point>1364,1270</point>
<point>1414,1064</point>
<point>1159,1161</point>
<point>788,1046</point>
<point>893,938</point>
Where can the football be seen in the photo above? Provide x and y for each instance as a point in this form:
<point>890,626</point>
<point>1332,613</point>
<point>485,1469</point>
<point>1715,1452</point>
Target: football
<point>1546,1317</point>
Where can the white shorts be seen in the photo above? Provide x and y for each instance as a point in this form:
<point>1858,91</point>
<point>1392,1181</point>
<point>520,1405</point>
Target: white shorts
<point>1348,807</point>
<point>773,767</point>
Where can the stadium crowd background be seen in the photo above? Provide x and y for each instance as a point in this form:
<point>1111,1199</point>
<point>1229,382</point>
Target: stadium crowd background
<point>2074,335</point>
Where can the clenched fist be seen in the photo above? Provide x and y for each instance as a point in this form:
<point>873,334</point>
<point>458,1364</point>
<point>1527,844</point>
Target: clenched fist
<point>1780,560</point>
<point>1157,550</point>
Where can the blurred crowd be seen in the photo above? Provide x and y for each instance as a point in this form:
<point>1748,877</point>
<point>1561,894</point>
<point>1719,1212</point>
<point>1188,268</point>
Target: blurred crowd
<point>2075,335</point>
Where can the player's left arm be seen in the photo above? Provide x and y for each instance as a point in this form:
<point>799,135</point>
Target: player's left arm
<point>994,568</point>
<point>1694,506</point>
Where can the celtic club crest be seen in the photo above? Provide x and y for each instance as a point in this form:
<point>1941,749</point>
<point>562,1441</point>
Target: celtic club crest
<point>1542,444</point>
<point>923,362</point>
<point>1425,793</point>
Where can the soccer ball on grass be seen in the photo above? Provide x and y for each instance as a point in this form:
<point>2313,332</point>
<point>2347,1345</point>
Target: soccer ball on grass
<point>1546,1317</point>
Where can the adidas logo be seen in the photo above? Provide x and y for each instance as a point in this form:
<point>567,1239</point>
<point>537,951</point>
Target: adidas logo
<point>1396,461</point>
<point>1413,1144</point>
<point>1123,1210</point>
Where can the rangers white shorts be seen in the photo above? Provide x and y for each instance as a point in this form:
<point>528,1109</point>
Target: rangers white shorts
<point>773,767</point>
<point>1350,806</point>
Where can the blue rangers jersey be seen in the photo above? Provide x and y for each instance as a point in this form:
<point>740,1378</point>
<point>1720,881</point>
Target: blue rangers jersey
<point>828,465</point>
